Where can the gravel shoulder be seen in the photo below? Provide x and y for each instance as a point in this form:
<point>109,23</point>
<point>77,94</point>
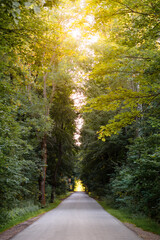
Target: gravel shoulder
<point>141,233</point>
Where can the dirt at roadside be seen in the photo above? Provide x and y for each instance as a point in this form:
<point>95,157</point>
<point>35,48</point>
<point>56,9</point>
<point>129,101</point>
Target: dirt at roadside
<point>8,234</point>
<point>141,233</point>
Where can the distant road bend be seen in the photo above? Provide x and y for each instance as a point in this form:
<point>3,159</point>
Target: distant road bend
<point>79,217</point>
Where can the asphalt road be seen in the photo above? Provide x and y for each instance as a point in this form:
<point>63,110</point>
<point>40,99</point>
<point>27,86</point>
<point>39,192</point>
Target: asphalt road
<point>79,217</point>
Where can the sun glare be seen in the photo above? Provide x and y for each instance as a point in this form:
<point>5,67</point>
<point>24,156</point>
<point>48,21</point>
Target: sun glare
<point>79,101</point>
<point>76,33</point>
<point>78,186</point>
<point>84,41</point>
<point>82,32</point>
<point>93,39</point>
<point>79,28</point>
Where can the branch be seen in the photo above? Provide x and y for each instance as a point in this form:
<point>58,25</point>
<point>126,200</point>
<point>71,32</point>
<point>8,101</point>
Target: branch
<point>116,71</point>
<point>46,75</point>
<point>133,11</point>
<point>133,57</point>
<point>152,96</point>
<point>16,30</point>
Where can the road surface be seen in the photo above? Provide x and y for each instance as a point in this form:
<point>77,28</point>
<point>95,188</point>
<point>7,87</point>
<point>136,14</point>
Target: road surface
<point>79,217</point>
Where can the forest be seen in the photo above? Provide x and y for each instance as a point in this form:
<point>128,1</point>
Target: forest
<point>79,99</point>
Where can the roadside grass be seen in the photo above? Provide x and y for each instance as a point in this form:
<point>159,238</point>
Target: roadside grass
<point>28,215</point>
<point>125,215</point>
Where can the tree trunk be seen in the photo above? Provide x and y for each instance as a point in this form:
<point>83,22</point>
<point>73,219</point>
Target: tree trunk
<point>44,140</point>
<point>44,166</point>
<point>139,108</point>
<point>53,193</point>
<point>56,170</point>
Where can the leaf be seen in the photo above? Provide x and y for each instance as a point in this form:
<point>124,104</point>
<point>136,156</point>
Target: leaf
<point>27,4</point>
<point>37,9</point>
<point>18,11</point>
<point>16,21</point>
<point>16,4</point>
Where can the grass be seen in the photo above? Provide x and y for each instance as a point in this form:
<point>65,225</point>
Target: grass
<point>125,215</point>
<point>29,215</point>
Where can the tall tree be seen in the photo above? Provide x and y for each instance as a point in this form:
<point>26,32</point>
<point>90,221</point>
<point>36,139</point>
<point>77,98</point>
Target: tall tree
<point>129,50</point>
<point>61,142</point>
<point>22,115</point>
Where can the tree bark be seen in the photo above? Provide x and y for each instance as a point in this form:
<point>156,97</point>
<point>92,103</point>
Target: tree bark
<point>54,182</point>
<point>44,167</point>
<point>53,193</point>
<point>44,141</point>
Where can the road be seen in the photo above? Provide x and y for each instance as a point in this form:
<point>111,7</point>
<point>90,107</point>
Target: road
<point>79,217</point>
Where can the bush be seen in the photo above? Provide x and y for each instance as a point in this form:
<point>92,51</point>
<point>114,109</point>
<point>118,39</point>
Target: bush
<point>137,185</point>
<point>25,208</point>
<point>28,207</point>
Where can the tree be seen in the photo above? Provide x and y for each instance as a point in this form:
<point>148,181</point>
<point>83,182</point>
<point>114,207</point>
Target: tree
<point>129,50</point>
<point>124,85</point>
<point>99,159</point>
<point>23,120</point>
<point>61,142</point>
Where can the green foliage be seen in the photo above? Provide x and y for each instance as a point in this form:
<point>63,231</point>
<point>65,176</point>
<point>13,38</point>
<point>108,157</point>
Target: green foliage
<point>27,207</point>
<point>61,143</point>
<point>99,159</point>
<point>38,59</point>
<point>123,91</point>
<point>21,130</point>
<point>137,184</point>
<point>26,48</point>
<point>127,60</point>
